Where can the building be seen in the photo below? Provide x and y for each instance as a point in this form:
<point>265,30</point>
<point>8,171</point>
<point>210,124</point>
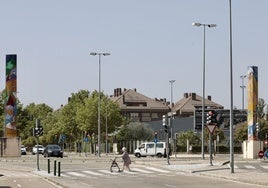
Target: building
<point>190,102</point>
<point>138,107</point>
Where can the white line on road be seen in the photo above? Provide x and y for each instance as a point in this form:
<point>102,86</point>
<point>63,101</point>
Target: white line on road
<point>140,170</point>
<point>92,173</point>
<point>265,167</point>
<point>250,167</point>
<point>76,174</point>
<point>157,169</point>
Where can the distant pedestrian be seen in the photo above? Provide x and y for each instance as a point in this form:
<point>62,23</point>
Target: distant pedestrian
<point>126,159</point>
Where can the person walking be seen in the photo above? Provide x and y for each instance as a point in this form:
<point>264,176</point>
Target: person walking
<point>126,159</point>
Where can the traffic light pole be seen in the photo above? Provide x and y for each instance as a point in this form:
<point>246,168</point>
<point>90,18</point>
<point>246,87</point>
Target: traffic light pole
<point>37,153</point>
<point>166,127</point>
<point>37,125</point>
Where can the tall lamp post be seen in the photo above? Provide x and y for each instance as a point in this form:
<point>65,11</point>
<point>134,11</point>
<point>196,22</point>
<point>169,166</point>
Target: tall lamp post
<point>99,100</point>
<point>243,88</point>
<point>204,76</point>
<point>171,112</point>
<point>231,92</point>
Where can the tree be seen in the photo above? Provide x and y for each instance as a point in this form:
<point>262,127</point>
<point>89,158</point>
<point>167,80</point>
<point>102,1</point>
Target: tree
<point>187,135</point>
<point>135,131</point>
<point>67,116</point>
<point>26,120</point>
<point>241,132</point>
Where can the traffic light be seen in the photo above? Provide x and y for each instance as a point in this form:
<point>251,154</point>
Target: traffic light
<point>164,120</point>
<point>257,127</point>
<point>38,131</point>
<point>211,118</point>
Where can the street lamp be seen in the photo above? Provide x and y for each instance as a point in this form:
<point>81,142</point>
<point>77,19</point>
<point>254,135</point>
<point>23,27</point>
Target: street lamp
<point>231,92</point>
<point>204,72</point>
<point>243,87</point>
<point>171,112</point>
<point>99,100</point>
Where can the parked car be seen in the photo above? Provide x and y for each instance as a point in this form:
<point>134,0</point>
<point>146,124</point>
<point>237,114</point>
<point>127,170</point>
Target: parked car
<point>40,149</point>
<point>23,150</point>
<point>53,150</point>
<point>151,149</point>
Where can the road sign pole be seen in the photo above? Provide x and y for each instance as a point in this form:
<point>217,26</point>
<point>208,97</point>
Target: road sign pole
<point>210,148</point>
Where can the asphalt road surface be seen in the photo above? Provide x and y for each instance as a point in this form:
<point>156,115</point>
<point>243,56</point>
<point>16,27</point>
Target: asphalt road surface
<point>94,172</point>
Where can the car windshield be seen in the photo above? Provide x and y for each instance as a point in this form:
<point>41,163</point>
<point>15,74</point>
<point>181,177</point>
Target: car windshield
<point>53,147</point>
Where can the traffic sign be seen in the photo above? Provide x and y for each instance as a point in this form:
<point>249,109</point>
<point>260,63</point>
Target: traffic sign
<point>261,154</point>
<point>211,128</point>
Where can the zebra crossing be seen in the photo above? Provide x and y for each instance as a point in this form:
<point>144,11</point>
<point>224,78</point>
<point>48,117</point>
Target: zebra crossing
<point>251,166</point>
<point>106,173</point>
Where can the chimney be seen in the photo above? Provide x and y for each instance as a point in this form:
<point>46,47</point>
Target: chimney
<point>193,96</point>
<point>115,92</point>
<point>135,89</point>
<point>119,92</point>
<point>185,95</point>
<point>209,97</point>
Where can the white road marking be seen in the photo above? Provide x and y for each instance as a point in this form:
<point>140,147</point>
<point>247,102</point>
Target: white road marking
<point>76,174</point>
<point>92,173</point>
<point>250,167</point>
<point>141,170</point>
<point>265,167</point>
<point>157,169</point>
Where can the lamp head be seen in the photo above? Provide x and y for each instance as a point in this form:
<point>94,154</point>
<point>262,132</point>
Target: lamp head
<point>93,53</point>
<point>196,24</point>
<point>212,25</point>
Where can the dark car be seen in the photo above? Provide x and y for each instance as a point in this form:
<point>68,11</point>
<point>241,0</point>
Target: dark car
<point>53,150</point>
<point>23,150</point>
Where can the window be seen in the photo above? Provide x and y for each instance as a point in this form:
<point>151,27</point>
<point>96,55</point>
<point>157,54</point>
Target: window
<point>159,145</point>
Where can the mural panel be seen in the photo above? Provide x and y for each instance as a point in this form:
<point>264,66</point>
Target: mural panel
<point>10,97</point>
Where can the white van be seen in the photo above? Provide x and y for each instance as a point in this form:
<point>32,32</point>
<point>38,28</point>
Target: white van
<point>151,149</point>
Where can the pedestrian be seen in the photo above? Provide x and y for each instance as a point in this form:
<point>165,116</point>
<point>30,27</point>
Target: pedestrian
<point>126,159</point>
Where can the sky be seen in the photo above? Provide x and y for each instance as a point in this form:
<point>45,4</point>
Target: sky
<point>150,41</point>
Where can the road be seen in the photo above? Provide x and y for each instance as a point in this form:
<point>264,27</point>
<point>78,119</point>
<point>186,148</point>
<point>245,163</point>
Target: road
<point>95,172</point>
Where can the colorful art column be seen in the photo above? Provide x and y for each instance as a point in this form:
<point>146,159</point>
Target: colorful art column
<point>10,98</point>
<point>252,101</point>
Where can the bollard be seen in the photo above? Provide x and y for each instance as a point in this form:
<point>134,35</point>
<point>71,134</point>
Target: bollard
<point>55,167</point>
<point>48,166</point>
<point>59,168</point>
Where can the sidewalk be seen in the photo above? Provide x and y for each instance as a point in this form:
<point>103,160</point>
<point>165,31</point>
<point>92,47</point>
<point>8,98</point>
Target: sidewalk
<point>197,166</point>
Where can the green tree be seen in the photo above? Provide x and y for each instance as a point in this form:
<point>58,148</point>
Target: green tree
<point>135,131</point>
<point>241,132</point>
<point>26,121</point>
<point>67,116</point>
<point>187,135</point>
<point>87,115</point>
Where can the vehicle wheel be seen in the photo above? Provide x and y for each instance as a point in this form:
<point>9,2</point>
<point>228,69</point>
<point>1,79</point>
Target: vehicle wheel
<point>138,155</point>
<point>159,155</point>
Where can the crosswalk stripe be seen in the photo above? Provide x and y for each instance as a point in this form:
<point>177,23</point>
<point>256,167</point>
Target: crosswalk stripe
<point>140,170</point>
<point>76,174</point>
<point>250,167</point>
<point>92,173</point>
<point>129,172</point>
<point>157,169</point>
<point>265,167</point>
<point>108,172</point>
